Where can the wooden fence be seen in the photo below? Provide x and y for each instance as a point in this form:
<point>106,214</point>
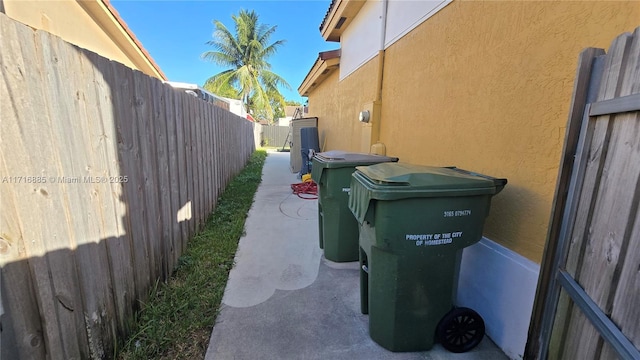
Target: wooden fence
<point>588,296</point>
<point>105,173</point>
<point>277,136</point>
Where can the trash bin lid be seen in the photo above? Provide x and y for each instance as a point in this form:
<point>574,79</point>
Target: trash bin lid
<point>394,181</point>
<point>338,159</point>
<point>419,177</point>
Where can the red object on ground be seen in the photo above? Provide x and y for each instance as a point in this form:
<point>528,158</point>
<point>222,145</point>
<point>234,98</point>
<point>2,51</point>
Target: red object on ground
<point>306,190</point>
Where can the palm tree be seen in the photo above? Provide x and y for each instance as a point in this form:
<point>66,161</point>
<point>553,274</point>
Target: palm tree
<point>246,54</point>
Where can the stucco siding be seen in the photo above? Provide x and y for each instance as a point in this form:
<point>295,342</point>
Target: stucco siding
<point>337,105</point>
<point>486,86</point>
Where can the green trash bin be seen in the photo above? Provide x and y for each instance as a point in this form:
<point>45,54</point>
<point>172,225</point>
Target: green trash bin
<point>338,230</point>
<point>413,221</point>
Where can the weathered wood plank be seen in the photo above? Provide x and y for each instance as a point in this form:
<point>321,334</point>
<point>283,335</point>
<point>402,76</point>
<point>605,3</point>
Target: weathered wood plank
<point>181,148</point>
<point>160,124</point>
<point>195,166</point>
<point>21,332</point>
<point>238,155</point>
<point>229,138</point>
<point>130,165</point>
<point>21,327</point>
<point>226,141</point>
<point>618,105</point>
<point>222,155</point>
<point>71,130</point>
<point>201,163</point>
<point>150,216</point>
<point>216,154</point>
<point>248,143</point>
<point>207,166</point>
<point>232,154</point>
<point>114,313</point>
<point>626,312</point>
<point>226,164</point>
<point>196,127</point>
<point>19,136</point>
<point>51,210</point>
<point>189,143</point>
<point>98,91</point>
<point>226,137</point>
<point>212,164</point>
<point>197,156</point>
<point>597,139</point>
<point>173,172</point>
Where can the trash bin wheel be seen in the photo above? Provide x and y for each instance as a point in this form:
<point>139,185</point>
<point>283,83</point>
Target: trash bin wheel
<point>460,330</point>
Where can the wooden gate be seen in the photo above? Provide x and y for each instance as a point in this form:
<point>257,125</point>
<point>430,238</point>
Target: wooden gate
<point>588,302</point>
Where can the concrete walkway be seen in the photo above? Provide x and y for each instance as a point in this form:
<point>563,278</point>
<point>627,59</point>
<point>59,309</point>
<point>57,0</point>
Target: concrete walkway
<point>285,301</point>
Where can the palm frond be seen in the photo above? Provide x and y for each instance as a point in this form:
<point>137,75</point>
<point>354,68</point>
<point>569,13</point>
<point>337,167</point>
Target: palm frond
<point>273,80</point>
<point>245,54</point>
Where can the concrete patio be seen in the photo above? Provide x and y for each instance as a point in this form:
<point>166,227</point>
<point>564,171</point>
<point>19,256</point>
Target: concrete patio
<point>284,300</point>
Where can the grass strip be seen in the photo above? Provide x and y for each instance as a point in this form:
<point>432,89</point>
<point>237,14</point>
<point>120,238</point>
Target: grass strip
<point>177,320</point>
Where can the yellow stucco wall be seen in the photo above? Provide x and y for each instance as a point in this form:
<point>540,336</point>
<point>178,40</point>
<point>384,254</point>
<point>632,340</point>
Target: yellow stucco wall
<point>486,86</point>
<point>70,21</point>
<point>337,105</point>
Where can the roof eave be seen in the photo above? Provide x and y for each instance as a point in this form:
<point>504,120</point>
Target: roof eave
<point>327,63</point>
<point>338,18</point>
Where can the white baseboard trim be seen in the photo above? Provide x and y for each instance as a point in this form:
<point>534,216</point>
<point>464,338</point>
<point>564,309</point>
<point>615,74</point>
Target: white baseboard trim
<point>500,285</point>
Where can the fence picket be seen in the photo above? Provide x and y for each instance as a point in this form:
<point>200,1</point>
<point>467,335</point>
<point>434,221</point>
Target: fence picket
<point>99,103</point>
<point>22,297</point>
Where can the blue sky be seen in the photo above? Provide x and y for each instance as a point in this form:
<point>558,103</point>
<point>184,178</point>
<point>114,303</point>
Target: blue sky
<point>175,33</point>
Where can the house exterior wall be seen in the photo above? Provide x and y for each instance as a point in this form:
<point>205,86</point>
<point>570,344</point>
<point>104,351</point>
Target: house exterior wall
<point>90,26</point>
<point>487,86</point>
<point>337,105</point>
<point>484,86</point>
<point>362,40</point>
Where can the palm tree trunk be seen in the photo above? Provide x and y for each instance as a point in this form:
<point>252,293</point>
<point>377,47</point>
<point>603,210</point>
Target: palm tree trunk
<point>246,102</point>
